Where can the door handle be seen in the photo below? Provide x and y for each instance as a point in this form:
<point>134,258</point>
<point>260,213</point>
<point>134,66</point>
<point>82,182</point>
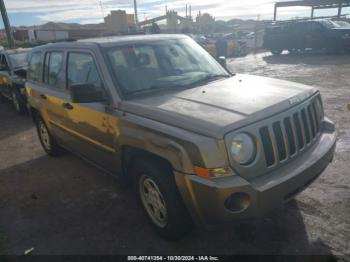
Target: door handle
<point>67,106</point>
<point>42,96</point>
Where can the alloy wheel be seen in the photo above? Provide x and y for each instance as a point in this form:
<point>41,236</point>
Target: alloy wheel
<point>44,135</point>
<point>153,201</point>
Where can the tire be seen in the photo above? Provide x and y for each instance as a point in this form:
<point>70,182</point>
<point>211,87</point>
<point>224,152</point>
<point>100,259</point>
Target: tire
<point>293,51</point>
<point>155,183</point>
<point>276,51</point>
<point>18,102</point>
<point>47,141</point>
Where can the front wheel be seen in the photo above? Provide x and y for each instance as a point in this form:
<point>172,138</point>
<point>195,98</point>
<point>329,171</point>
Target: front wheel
<point>160,198</point>
<point>48,143</point>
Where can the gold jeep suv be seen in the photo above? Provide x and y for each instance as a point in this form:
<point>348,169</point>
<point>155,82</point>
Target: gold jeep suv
<point>200,144</point>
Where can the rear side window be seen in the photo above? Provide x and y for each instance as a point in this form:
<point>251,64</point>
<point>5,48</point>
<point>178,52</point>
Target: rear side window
<point>53,69</point>
<point>34,67</point>
<point>82,70</point>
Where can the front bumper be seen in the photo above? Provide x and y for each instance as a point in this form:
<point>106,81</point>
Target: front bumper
<point>205,199</point>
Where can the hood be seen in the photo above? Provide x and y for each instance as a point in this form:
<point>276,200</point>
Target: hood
<point>221,106</point>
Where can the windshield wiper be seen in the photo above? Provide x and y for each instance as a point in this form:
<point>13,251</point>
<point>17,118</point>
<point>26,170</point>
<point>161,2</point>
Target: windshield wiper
<point>209,78</point>
<point>152,88</point>
<point>206,79</point>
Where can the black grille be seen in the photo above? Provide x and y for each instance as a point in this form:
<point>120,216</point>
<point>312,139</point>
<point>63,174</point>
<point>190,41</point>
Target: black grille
<point>267,145</point>
<point>299,131</point>
<point>290,134</point>
<point>277,130</point>
<point>306,126</point>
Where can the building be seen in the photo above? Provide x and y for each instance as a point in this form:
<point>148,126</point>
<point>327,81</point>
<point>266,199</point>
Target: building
<point>205,23</point>
<point>119,21</point>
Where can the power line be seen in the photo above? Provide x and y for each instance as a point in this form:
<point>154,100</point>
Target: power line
<point>102,10</point>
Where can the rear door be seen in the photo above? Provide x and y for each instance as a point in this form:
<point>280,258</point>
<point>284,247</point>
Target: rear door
<point>55,93</point>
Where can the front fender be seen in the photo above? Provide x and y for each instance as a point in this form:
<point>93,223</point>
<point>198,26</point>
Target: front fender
<point>159,145</point>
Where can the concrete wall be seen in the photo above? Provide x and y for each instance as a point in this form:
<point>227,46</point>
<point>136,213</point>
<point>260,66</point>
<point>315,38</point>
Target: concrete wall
<point>47,35</point>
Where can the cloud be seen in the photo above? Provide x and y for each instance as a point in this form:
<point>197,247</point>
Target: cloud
<point>90,10</point>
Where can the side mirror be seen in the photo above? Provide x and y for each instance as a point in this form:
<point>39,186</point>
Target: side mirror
<point>86,93</point>
<point>222,61</point>
<point>21,73</point>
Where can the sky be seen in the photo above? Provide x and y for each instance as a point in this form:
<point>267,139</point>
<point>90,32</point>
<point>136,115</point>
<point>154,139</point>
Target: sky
<point>35,12</point>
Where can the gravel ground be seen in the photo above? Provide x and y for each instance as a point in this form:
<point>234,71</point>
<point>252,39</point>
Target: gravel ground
<point>66,206</point>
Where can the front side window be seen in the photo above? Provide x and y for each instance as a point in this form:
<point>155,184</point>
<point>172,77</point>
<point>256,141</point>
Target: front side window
<point>82,70</point>
<point>53,69</point>
<point>34,67</point>
<point>165,64</point>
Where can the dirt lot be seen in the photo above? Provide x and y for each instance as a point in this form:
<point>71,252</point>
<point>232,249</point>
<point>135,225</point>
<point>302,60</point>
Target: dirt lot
<point>65,206</point>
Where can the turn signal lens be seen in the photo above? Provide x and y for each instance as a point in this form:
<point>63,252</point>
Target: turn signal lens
<point>213,173</point>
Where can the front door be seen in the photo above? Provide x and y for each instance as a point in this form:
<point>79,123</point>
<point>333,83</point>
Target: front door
<point>88,127</point>
<point>5,78</point>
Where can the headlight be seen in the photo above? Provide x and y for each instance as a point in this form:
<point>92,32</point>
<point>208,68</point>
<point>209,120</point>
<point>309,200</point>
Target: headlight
<point>243,149</point>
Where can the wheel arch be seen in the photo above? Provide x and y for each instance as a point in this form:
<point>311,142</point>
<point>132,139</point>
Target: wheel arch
<point>130,153</point>
<point>34,113</point>
<point>174,158</point>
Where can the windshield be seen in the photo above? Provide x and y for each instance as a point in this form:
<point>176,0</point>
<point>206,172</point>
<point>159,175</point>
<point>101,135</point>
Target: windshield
<point>166,64</point>
<point>19,59</point>
<point>334,24</point>
<point>342,23</point>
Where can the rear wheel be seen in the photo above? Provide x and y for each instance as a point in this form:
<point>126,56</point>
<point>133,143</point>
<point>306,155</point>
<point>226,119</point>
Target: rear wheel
<point>18,102</point>
<point>293,51</point>
<point>160,198</point>
<point>48,143</point>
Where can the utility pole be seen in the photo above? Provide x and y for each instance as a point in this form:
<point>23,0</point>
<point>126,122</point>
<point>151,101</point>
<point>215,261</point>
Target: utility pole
<point>256,30</point>
<point>136,17</point>
<point>7,26</point>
